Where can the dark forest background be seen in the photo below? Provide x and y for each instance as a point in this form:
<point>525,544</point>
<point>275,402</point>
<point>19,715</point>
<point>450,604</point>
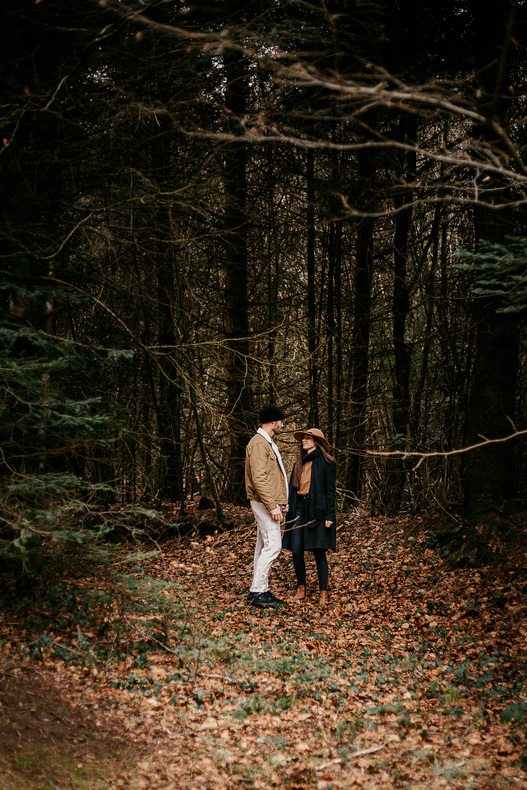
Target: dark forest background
<point>210,207</point>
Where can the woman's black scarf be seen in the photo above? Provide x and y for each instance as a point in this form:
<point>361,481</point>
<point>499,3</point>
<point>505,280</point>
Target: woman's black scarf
<point>316,506</point>
<point>316,453</point>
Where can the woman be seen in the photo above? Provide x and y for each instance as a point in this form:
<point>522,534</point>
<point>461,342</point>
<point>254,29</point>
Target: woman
<point>312,507</point>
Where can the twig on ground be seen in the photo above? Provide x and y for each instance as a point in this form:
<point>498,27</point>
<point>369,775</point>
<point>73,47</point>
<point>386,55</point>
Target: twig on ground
<point>56,715</point>
<point>157,641</point>
<point>369,751</point>
<point>326,765</point>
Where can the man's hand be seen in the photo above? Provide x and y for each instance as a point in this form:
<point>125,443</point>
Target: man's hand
<point>277,513</point>
<point>285,508</point>
<point>328,524</point>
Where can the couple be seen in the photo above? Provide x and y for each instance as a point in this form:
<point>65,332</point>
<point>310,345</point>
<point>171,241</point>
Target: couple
<point>311,525</point>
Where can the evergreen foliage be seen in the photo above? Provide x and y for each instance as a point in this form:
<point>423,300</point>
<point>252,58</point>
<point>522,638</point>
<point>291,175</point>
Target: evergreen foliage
<point>500,271</point>
<point>53,427</point>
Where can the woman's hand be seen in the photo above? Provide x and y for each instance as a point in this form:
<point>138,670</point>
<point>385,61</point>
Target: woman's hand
<point>328,524</point>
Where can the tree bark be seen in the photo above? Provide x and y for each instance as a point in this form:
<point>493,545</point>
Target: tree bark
<point>236,299</point>
<point>334,267</point>
<point>311,296</point>
<point>395,474</point>
<point>359,361</point>
<point>490,471</point>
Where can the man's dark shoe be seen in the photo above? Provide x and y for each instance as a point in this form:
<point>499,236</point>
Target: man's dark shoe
<point>260,600</point>
<point>272,597</point>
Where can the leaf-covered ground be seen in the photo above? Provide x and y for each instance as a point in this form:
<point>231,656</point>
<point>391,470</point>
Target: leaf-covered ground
<point>412,677</point>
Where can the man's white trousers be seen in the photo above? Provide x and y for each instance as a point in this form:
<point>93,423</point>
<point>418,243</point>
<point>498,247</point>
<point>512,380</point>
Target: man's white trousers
<point>268,546</point>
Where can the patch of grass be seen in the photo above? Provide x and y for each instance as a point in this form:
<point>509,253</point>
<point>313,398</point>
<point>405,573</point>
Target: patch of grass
<point>449,769</point>
<point>418,755</point>
<point>278,742</point>
<point>38,769</point>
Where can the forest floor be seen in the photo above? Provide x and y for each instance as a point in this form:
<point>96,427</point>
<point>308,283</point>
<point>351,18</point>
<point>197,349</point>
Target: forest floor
<point>155,673</point>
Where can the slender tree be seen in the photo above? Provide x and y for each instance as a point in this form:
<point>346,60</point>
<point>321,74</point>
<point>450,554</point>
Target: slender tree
<point>489,473</point>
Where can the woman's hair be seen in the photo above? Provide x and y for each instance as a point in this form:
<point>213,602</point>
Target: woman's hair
<point>297,469</point>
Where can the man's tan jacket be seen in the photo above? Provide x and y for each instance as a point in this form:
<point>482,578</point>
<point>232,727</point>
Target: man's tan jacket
<point>264,480</point>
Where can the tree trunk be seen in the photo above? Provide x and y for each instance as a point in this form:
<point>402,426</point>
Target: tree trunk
<point>169,413</point>
<point>360,352</point>
<point>334,267</point>
<point>395,474</point>
<point>236,304</point>
<point>311,297</point>
<point>489,471</point>
<point>169,393</point>
<point>272,283</point>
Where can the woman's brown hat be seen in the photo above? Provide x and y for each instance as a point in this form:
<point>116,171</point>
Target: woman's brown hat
<point>299,435</point>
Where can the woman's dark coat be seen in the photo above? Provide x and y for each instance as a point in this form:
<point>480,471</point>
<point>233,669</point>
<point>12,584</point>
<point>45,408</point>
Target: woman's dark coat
<point>320,506</point>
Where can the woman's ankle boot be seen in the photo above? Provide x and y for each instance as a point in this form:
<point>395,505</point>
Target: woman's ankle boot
<point>301,592</point>
<point>323,600</point>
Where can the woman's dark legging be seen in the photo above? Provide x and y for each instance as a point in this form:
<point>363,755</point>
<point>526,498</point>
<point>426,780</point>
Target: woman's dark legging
<point>297,547</point>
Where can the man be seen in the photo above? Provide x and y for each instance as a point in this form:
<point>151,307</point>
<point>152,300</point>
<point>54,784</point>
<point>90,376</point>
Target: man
<point>266,486</point>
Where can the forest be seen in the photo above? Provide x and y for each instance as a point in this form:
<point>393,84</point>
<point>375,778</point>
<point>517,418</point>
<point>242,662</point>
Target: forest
<point>208,207</point>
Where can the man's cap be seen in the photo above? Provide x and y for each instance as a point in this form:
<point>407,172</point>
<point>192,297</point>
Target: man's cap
<point>271,414</point>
